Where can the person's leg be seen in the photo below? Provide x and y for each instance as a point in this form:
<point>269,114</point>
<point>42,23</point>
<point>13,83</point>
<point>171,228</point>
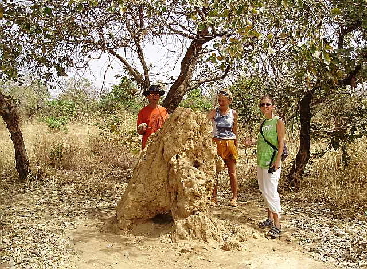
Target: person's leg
<point>270,214</point>
<point>262,175</point>
<point>273,198</point>
<point>231,165</point>
<point>261,178</point>
<point>218,169</point>
<point>276,220</point>
<point>270,191</point>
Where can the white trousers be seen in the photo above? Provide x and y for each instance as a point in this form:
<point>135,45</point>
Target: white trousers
<point>268,185</point>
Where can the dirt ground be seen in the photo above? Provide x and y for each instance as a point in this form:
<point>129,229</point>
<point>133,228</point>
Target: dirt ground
<point>57,225</point>
<point>149,246</point>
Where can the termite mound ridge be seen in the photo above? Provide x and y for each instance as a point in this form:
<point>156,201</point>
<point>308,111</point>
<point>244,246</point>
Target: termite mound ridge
<point>175,173</point>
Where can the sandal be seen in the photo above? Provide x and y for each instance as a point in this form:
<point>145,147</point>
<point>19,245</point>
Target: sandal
<point>233,203</point>
<point>266,223</point>
<point>274,232</point>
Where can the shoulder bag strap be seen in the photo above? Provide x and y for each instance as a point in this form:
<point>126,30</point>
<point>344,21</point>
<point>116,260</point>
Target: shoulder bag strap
<point>270,144</point>
<point>261,132</point>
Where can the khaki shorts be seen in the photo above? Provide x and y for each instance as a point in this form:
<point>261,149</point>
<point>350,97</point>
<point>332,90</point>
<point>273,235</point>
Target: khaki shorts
<point>226,149</point>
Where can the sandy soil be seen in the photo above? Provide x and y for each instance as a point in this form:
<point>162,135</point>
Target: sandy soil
<point>149,246</point>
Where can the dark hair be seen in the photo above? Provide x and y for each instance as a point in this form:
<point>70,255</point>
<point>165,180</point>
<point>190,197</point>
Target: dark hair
<point>154,88</point>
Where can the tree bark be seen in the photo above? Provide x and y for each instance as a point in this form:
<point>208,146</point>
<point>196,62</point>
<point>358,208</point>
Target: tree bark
<point>10,116</point>
<point>181,85</point>
<point>295,175</point>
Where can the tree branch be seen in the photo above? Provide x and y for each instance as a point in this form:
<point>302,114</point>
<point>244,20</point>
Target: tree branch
<point>196,84</point>
<point>132,71</point>
<point>140,52</point>
<point>346,30</point>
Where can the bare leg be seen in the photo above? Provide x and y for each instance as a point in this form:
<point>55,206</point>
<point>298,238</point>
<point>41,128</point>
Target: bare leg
<point>276,220</point>
<point>231,165</point>
<point>270,214</point>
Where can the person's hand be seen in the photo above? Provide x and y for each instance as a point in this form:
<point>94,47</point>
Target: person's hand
<point>276,165</point>
<point>142,128</point>
<point>249,142</point>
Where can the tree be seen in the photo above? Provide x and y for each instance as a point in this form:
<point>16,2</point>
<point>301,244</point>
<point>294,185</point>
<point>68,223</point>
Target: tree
<point>46,37</point>
<point>343,25</point>
<point>27,43</point>
<point>307,52</point>
<point>302,50</point>
<point>10,116</point>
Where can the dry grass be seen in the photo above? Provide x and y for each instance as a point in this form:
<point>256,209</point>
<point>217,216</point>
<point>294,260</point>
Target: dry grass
<point>82,148</point>
<point>86,152</point>
<point>342,186</point>
<point>84,172</point>
<point>79,173</point>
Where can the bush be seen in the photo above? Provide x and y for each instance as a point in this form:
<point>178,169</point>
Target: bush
<point>31,95</point>
<point>56,123</point>
<point>197,101</point>
<point>122,96</point>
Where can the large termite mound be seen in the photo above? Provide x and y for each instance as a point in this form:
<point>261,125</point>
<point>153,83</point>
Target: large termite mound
<point>175,176</point>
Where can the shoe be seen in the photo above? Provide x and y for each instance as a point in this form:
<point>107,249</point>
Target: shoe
<point>266,223</point>
<point>274,232</point>
<point>233,203</point>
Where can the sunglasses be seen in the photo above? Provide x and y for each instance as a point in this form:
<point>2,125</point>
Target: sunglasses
<point>154,93</point>
<point>265,104</point>
<point>223,93</point>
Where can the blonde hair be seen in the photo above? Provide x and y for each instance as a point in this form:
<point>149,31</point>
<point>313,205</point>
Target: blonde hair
<point>225,92</point>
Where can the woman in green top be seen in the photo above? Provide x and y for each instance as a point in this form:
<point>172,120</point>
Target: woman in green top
<point>268,164</point>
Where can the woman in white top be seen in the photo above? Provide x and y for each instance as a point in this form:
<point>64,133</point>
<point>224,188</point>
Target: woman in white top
<point>225,136</point>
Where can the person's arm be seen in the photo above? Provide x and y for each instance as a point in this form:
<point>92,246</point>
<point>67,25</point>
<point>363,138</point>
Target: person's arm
<point>249,142</point>
<point>211,114</point>
<point>235,126</point>
<point>281,135</point>
<point>141,126</point>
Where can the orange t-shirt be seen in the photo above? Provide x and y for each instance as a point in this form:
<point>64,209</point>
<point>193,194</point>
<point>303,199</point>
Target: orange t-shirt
<point>154,118</point>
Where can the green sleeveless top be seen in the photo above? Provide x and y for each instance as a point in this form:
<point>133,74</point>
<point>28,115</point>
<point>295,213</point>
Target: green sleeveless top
<point>264,151</point>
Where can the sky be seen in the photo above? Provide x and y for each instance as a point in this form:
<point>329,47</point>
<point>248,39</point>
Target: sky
<point>164,62</point>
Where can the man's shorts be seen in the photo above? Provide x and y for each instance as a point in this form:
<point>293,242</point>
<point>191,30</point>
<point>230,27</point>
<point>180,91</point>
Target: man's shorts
<point>226,149</point>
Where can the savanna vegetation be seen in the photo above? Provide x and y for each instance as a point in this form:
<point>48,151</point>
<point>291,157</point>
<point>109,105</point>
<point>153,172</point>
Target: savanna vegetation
<point>310,55</point>
<point>81,130</point>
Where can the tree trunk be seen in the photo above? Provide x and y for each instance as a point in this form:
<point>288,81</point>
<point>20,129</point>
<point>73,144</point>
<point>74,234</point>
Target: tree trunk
<point>180,86</point>
<point>295,175</point>
<point>10,116</point>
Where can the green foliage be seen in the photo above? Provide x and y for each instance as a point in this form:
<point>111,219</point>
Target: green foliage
<point>197,101</point>
<point>76,101</point>
<point>246,98</point>
<point>61,108</point>
<point>82,94</point>
<point>111,124</point>
<point>58,113</point>
<point>122,96</point>
<point>31,95</point>
<point>56,123</point>
<point>346,121</point>
<point>120,129</point>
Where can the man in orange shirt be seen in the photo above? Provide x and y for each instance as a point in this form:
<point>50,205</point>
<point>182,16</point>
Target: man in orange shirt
<point>151,117</point>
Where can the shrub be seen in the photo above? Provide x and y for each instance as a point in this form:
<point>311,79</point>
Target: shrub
<point>122,96</point>
<point>197,101</point>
